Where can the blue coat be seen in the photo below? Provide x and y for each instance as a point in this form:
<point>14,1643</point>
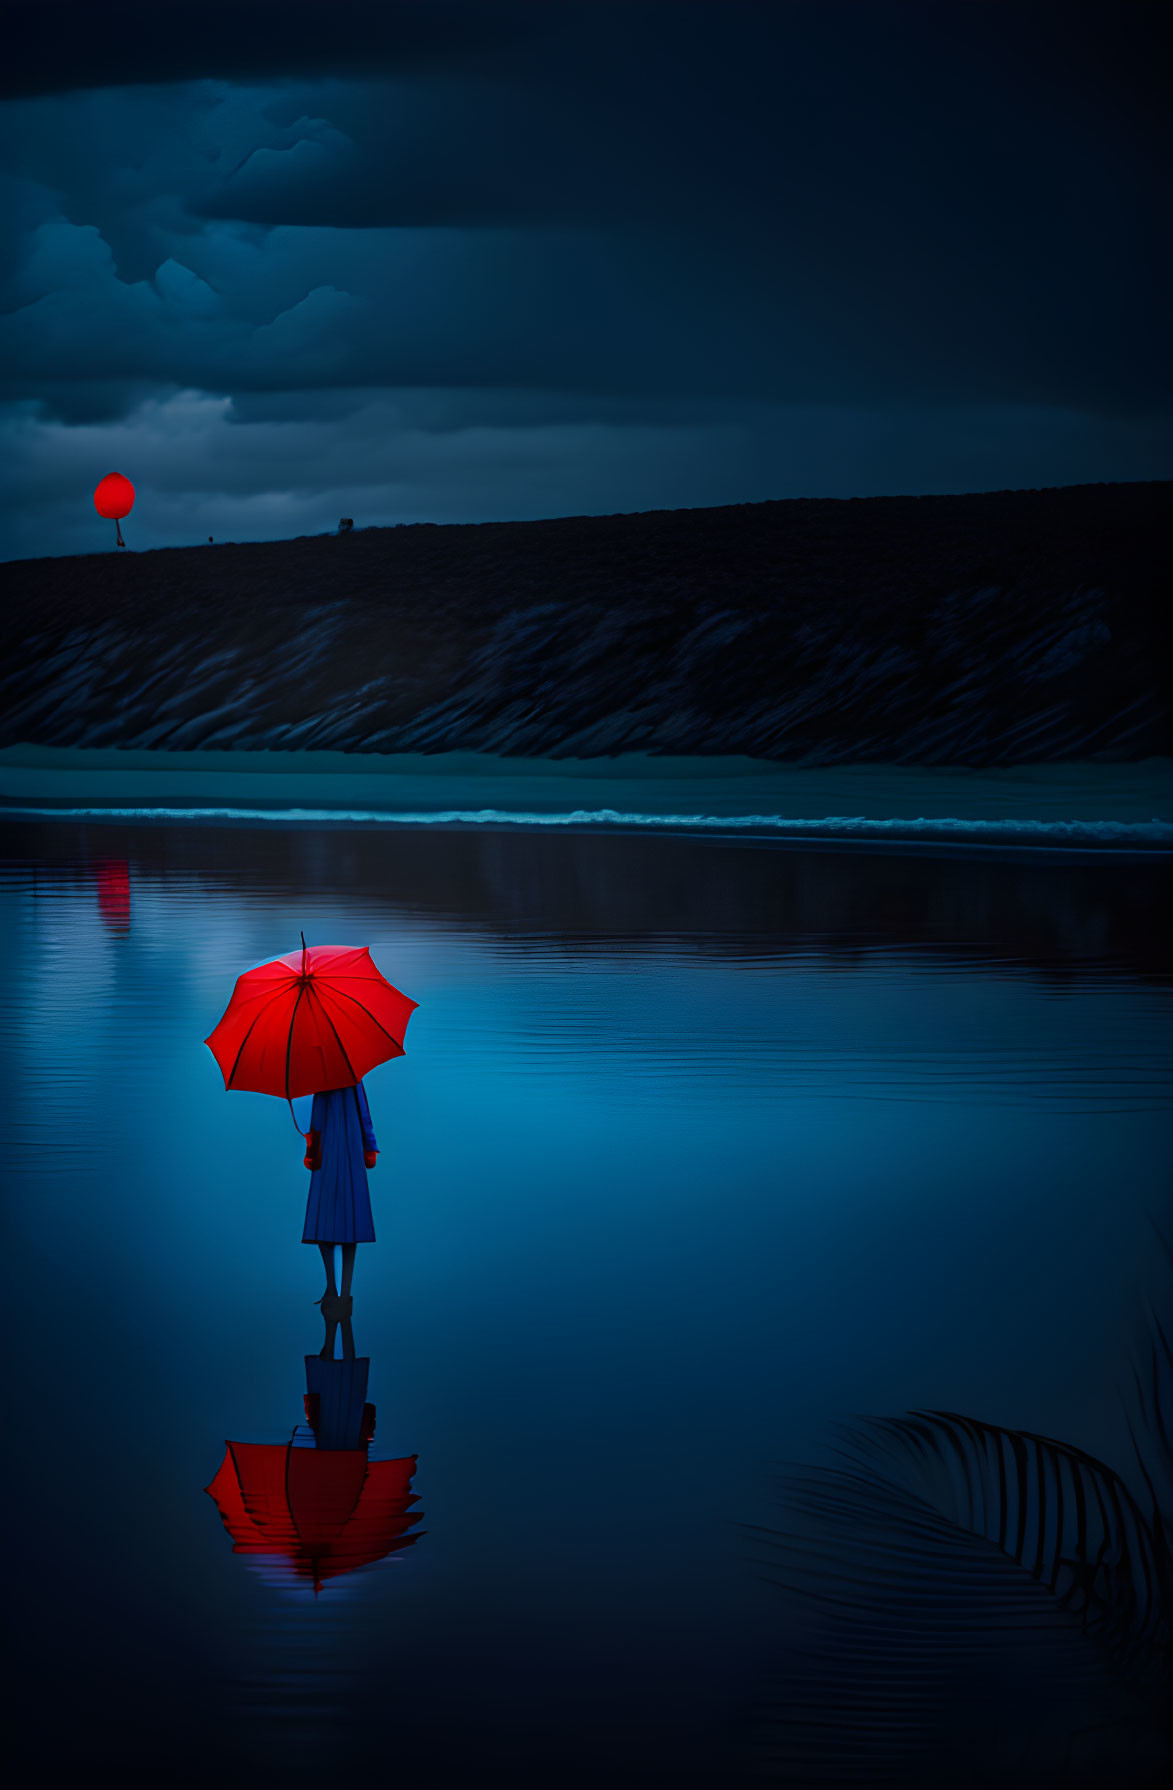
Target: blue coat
<point>339,1206</point>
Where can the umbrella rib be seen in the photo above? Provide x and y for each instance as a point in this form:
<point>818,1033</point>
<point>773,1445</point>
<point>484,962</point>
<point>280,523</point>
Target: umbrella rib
<point>315,996</point>
<point>289,1040</point>
<point>347,996</point>
<point>288,1493</point>
<point>354,1504</point>
<point>245,1039</point>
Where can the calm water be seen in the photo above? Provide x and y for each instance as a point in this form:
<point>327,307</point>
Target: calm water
<point>698,1150</point>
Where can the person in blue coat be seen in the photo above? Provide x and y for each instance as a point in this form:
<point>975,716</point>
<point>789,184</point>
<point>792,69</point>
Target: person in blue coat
<point>341,1148</point>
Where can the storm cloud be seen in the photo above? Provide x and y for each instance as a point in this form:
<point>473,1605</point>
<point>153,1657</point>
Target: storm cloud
<point>473,261</point>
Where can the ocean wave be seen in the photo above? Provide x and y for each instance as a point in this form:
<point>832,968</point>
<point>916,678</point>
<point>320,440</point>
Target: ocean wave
<point>1096,835</point>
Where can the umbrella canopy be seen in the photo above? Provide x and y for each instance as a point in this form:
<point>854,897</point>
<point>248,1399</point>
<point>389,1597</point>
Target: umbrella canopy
<point>319,1513</point>
<point>320,1018</point>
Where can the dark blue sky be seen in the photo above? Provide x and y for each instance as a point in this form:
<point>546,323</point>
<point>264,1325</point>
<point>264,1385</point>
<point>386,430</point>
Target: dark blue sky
<point>281,262</point>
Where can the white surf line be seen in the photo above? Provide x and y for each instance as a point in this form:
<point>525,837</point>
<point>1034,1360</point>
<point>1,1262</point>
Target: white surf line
<point>1154,833</point>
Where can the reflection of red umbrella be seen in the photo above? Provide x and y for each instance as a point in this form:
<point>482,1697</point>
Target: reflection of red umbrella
<point>320,1513</point>
<point>319,1018</point>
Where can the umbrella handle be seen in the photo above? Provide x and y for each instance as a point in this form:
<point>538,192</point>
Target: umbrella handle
<point>297,1127</point>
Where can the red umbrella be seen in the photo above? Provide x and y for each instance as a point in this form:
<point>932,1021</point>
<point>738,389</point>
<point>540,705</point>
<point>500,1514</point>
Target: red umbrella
<point>319,1018</point>
<point>319,1513</point>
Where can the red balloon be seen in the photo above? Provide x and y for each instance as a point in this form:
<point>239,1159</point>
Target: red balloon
<point>114,497</point>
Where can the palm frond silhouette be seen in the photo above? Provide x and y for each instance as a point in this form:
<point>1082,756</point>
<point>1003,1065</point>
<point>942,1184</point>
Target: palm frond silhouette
<point>972,1604</point>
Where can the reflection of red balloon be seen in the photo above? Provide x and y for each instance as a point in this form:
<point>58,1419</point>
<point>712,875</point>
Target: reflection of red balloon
<point>114,893</point>
<point>114,499</point>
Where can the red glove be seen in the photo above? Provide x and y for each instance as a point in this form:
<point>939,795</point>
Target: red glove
<point>370,1157</point>
<point>313,1153</point>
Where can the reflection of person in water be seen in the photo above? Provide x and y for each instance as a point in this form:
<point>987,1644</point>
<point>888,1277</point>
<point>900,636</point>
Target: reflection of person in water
<point>315,1511</point>
<point>341,1147</point>
<point>336,1407</point>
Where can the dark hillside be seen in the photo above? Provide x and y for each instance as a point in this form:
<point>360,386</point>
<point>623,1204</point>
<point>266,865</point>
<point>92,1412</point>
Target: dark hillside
<point>981,629</point>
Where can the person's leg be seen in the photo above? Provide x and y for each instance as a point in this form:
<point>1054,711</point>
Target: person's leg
<point>327,1250</point>
<point>348,1250</point>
